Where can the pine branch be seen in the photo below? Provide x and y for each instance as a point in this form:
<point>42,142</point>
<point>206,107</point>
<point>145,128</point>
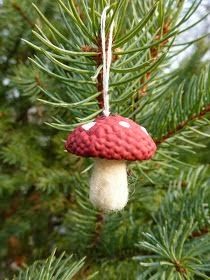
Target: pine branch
<point>131,66</point>
<point>175,250</point>
<point>183,125</point>
<point>60,268</point>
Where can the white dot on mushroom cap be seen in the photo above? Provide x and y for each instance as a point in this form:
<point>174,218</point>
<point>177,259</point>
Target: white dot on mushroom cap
<point>88,126</point>
<point>124,124</point>
<point>144,129</point>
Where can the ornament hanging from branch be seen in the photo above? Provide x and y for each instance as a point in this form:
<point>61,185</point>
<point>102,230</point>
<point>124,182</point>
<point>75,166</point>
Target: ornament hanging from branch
<point>111,140</point>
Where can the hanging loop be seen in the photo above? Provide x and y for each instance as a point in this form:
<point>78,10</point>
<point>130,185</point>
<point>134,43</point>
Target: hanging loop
<point>107,59</point>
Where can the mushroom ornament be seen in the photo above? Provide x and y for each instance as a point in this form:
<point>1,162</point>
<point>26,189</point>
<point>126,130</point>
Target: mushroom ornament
<point>112,141</point>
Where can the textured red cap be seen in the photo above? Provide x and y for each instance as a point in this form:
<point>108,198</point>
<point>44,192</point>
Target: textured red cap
<point>113,137</point>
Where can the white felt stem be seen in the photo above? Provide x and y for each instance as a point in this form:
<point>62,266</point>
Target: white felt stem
<point>108,185</point>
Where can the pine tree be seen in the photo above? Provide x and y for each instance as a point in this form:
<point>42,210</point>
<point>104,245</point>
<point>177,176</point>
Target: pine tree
<point>163,233</point>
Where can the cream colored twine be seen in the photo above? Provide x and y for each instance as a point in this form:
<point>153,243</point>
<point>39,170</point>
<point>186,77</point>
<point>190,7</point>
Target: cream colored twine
<point>107,59</point>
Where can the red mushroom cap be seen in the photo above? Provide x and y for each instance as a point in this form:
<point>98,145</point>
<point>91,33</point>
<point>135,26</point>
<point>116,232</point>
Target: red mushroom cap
<point>112,137</point>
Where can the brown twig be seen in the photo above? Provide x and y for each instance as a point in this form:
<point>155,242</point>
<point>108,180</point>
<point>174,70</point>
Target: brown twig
<point>183,124</point>
<point>182,270</point>
<point>200,233</point>
<point>99,61</point>
<point>154,52</point>
<point>23,15</point>
<point>98,229</point>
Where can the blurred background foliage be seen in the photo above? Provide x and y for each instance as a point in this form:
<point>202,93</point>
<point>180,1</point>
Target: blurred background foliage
<point>44,192</point>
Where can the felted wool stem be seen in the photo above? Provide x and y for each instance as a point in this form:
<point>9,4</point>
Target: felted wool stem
<point>109,185</point>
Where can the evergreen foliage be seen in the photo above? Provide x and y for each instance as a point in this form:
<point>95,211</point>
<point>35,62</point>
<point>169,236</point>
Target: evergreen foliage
<point>52,268</point>
<point>163,233</point>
